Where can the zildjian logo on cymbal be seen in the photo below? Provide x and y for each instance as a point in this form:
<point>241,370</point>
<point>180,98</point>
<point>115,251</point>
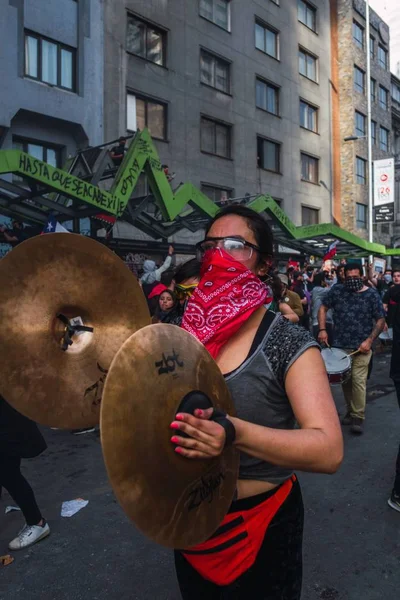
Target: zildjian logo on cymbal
<point>97,388</point>
<point>168,363</point>
<point>205,490</point>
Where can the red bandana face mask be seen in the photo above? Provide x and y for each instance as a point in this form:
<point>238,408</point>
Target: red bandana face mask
<point>228,293</point>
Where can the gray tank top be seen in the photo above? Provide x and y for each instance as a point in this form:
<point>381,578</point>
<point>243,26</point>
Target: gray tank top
<point>258,390</point>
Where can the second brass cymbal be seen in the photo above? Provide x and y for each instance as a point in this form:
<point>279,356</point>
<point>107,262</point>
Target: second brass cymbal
<point>47,281</point>
<point>176,501</point>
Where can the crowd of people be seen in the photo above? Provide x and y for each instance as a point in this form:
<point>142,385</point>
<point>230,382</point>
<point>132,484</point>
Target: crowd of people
<point>286,420</point>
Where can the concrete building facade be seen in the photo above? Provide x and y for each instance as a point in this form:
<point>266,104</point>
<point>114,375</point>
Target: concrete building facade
<point>52,76</point>
<point>353,44</point>
<point>235,94</point>
<point>396,154</point>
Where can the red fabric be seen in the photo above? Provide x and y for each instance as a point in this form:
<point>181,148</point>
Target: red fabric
<point>157,290</point>
<point>106,218</point>
<point>228,293</point>
<point>223,566</point>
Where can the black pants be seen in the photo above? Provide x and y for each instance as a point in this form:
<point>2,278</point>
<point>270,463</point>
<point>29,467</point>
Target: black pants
<point>397,479</point>
<point>277,571</point>
<point>19,489</point>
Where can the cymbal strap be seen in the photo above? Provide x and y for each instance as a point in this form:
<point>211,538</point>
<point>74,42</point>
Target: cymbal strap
<point>221,418</point>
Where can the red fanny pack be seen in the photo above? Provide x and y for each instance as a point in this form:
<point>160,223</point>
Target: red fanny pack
<point>234,546</point>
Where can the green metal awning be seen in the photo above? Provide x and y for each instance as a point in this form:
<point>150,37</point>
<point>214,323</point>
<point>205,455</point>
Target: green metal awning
<point>74,192</point>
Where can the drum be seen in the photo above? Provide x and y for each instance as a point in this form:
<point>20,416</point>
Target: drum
<point>337,364</point>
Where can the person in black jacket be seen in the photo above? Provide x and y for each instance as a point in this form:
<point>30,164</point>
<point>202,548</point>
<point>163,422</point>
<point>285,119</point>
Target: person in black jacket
<point>394,297</point>
<point>21,438</point>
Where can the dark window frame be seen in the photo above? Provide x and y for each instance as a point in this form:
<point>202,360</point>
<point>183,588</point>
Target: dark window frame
<point>313,9</point>
<point>373,131</point>
<point>267,27</point>
<point>383,64</point>
<point>361,224</point>
<point>360,132</point>
<point>373,89</point>
<point>228,30</point>
<point>357,69</point>
<point>215,187</point>
<point>384,106</point>
<point>158,29</point>
<point>315,108</point>
<point>60,46</point>
<point>314,210</point>
<point>276,88</point>
<point>372,47</point>
<point>278,156</point>
<point>217,57</point>
<point>386,146</point>
<point>356,25</point>
<point>316,58</point>
<point>317,159</point>
<point>361,176</point>
<point>153,100</point>
<point>216,122</point>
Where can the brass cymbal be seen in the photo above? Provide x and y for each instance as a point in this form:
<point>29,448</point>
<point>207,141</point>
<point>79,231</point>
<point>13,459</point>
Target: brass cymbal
<point>175,501</point>
<point>71,276</point>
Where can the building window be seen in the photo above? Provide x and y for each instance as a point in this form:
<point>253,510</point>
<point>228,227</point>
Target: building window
<point>383,97</point>
<point>215,137</point>
<point>358,34</point>
<point>145,112</point>
<point>308,116</point>
<point>360,124</point>
<point>267,96</point>
<point>372,47</point>
<point>373,90</point>
<point>361,216</point>
<point>396,92</point>
<point>146,40</point>
<point>214,71</point>
<point>268,155</point>
<point>267,39</point>
<point>307,64</point>
<point>42,151</point>
<point>382,57</point>
<point>50,61</point>
<point>217,11</point>
<point>373,132</point>
<point>384,139</point>
<point>361,170</point>
<point>217,194</point>
<point>309,168</point>
<point>359,80</point>
<point>307,14</point>
<point>309,216</point>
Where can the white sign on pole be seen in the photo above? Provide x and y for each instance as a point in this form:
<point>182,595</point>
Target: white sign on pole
<point>383,181</point>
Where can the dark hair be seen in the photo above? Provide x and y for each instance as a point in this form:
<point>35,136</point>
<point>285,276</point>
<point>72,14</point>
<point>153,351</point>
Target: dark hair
<point>276,286</point>
<point>396,268</point>
<point>352,267</point>
<point>255,221</point>
<point>122,139</point>
<point>171,293</point>
<point>319,279</point>
<point>189,269</point>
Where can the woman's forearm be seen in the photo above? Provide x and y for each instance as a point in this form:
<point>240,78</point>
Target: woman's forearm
<point>304,449</point>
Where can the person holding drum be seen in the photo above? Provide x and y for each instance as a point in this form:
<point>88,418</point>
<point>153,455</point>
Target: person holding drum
<point>359,318</point>
<point>276,378</point>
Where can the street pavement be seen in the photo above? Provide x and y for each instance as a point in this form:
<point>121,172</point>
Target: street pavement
<point>351,543</point>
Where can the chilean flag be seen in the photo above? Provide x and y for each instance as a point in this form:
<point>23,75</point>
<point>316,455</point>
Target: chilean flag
<point>53,226</point>
<point>331,251</point>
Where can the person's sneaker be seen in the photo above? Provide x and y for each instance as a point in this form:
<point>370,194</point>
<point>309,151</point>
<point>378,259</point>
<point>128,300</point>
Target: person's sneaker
<point>394,501</point>
<point>357,425</point>
<point>81,431</point>
<point>347,419</point>
<point>29,534</point>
